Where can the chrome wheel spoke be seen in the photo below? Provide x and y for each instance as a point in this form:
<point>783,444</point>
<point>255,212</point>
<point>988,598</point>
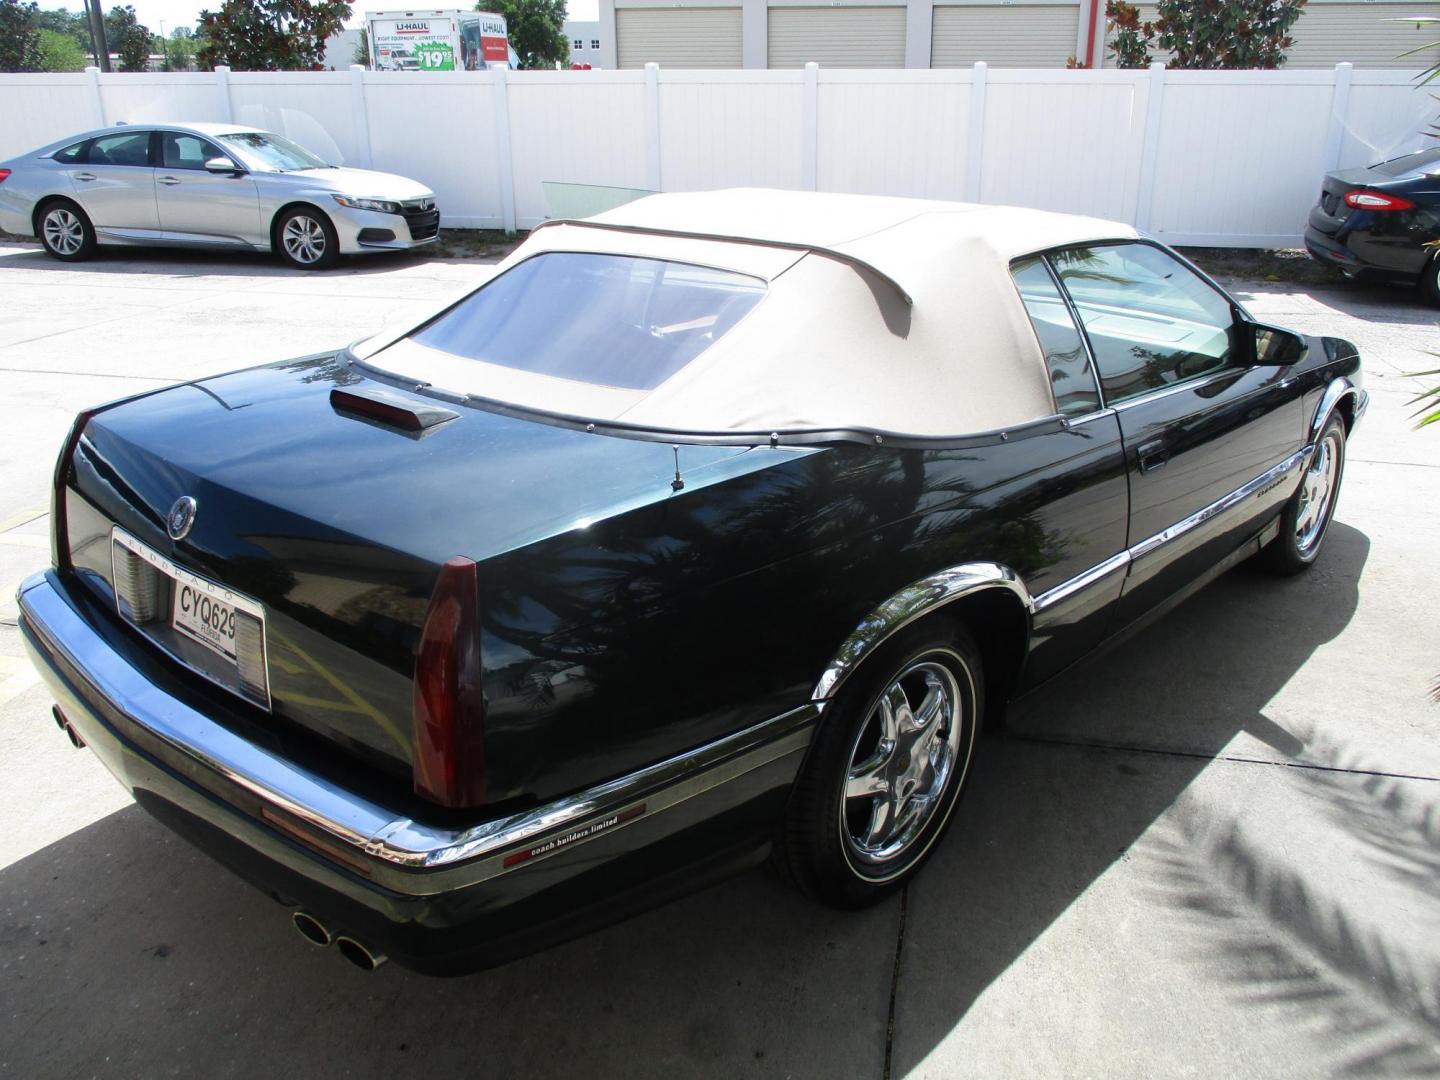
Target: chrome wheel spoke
<point>894,713</point>
<point>902,764</point>
<point>1317,494</point>
<point>882,818</point>
<point>867,782</point>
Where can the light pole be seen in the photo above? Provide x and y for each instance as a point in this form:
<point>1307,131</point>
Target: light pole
<point>97,34</point>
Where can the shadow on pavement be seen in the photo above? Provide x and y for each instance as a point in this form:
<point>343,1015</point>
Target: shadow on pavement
<point>184,262</point>
<point>123,951</point>
<point>1056,805</point>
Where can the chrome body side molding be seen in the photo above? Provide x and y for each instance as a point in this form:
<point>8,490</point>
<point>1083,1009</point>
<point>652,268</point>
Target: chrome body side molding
<point>410,857</point>
<point>1080,582</point>
<point>925,596</point>
<point>910,603</point>
<point>1265,480</point>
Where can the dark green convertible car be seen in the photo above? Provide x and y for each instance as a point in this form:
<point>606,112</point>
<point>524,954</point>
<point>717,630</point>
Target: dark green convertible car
<point>711,529</point>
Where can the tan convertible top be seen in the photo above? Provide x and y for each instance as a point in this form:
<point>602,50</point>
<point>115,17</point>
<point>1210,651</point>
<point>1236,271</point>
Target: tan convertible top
<point>892,315</point>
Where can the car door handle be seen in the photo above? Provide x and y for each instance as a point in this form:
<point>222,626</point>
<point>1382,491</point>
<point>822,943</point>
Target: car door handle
<point>85,176</point>
<point>168,181</point>
<point>1152,456</point>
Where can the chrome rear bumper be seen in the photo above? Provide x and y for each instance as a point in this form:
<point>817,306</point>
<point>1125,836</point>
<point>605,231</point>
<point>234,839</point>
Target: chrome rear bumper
<point>117,709</point>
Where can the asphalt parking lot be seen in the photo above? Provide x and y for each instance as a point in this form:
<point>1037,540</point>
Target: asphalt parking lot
<point>1215,850</point>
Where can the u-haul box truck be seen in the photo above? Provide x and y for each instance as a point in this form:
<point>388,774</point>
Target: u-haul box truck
<point>436,40</point>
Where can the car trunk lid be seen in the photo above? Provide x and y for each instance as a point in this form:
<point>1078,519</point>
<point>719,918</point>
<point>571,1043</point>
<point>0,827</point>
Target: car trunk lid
<point>337,522</point>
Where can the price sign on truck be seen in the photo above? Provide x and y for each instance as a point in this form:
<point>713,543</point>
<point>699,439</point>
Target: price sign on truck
<point>435,56</point>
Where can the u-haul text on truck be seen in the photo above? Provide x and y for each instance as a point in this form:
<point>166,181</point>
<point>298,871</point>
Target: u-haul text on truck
<point>436,40</point>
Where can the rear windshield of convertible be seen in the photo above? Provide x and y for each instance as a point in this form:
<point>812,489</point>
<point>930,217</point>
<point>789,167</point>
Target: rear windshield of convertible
<point>610,320</point>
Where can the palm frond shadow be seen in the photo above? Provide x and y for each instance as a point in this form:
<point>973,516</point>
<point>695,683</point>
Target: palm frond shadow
<point>1281,943</point>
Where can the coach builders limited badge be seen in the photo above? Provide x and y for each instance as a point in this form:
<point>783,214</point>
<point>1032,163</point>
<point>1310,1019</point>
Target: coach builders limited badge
<point>584,832</point>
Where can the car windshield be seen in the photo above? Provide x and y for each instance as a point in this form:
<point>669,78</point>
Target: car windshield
<point>1427,161</point>
<point>260,148</point>
<point>609,320</point>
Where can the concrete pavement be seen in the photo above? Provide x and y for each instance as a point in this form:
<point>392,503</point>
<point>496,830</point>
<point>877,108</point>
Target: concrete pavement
<point>1215,849</point>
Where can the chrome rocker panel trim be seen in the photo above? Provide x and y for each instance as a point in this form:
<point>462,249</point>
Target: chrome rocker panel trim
<point>412,858</point>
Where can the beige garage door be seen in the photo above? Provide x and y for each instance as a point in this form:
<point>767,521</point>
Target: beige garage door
<point>851,37</point>
<point>1004,35</point>
<point>678,37</point>
<point>1329,33</point>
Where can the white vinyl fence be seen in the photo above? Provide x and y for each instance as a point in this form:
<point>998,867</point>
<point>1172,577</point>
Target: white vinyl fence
<point>1230,158</point>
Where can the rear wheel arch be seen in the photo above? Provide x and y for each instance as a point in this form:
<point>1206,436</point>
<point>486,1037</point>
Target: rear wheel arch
<point>987,599</point>
<point>45,203</point>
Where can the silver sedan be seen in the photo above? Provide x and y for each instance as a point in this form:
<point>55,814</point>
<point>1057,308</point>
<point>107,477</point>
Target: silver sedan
<point>208,186</point>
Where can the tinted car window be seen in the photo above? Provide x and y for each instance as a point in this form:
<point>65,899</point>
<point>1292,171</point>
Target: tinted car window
<point>131,148</point>
<point>181,151</point>
<point>71,154</point>
<point>609,320</point>
<point>1071,380</point>
<point>1150,320</point>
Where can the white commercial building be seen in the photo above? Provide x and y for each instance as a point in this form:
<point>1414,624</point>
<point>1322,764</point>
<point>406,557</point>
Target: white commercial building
<point>585,39</point>
<point>950,33</point>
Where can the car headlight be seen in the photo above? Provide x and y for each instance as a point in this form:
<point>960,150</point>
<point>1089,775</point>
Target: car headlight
<point>384,206</point>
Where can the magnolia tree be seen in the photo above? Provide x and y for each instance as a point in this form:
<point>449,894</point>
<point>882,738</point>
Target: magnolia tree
<point>270,35</point>
<point>19,40</point>
<point>1204,33</point>
<point>128,39</point>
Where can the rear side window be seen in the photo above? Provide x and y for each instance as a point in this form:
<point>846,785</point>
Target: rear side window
<point>1150,320</point>
<point>1071,380</point>
<point>71,154</point>
<point>609,320</point>
<point>131,148</point>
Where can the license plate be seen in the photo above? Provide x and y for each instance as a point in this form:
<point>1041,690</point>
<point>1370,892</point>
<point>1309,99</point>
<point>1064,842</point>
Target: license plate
<point>201,613</point>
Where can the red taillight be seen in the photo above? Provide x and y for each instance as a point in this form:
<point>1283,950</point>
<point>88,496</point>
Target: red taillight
<point>449,707</point>
<point>59,527</point>
<point>1362,199</point>
<point>4,175</point>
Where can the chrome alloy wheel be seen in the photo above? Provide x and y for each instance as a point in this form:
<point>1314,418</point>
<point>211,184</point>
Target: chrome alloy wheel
<point>903,765</point>
<point>304,239</point>
<point>63,232</point>
<point>1317,492</point>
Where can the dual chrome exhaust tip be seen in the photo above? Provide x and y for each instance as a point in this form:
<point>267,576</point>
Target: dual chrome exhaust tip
<point>63,723</point>
<point>318,933</point>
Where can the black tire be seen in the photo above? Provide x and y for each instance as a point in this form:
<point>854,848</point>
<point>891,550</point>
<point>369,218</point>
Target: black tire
<point>1430,281</point>
<point>65,231</point>
<point>819,843</point>
<point>1300,541</point>
<point>305,239</point>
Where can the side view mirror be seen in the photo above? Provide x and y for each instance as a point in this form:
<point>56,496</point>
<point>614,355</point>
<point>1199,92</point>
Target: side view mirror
<point>222,165</point>
<point>1271,346</point>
